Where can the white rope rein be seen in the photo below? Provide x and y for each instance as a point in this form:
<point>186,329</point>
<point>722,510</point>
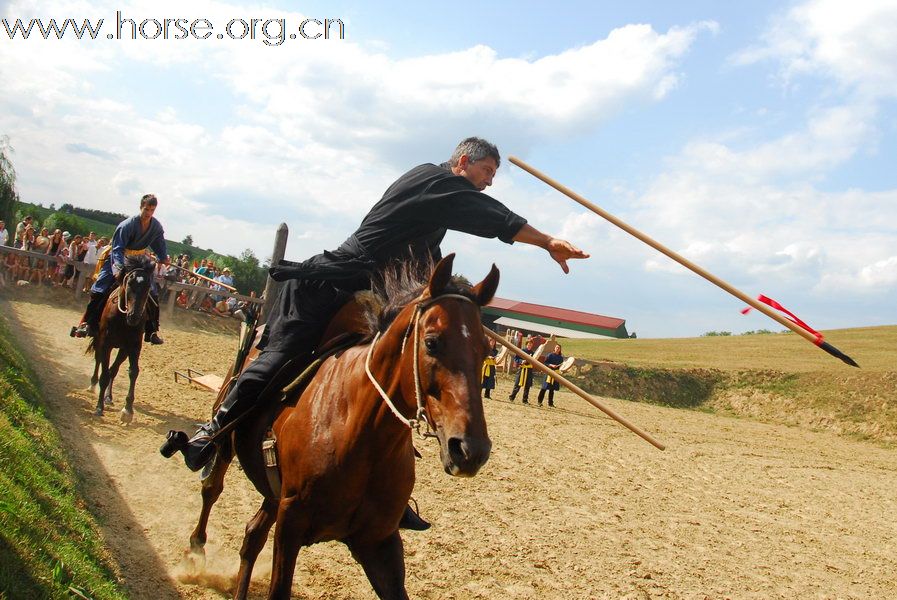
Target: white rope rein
<point>367,369</point>
<point>123,309</point>
<point>421,415</point>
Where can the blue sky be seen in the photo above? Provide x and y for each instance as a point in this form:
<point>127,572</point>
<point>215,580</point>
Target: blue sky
<point>757,139</point>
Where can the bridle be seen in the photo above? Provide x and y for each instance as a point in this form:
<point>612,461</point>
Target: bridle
<point>122,291</point>
<point>421,417</point>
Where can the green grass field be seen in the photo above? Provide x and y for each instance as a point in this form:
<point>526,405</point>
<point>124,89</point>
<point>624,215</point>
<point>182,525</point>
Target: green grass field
<point>50,546</point>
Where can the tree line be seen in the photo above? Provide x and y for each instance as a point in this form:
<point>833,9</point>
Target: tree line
<point>97,215</point>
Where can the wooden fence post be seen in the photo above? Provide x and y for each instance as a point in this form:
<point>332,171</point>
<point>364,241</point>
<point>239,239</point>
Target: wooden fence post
<point>273,287</point>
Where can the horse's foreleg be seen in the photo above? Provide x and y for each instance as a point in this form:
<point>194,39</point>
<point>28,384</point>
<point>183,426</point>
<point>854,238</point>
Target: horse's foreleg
<point>253,541</point>
<point>113,372</point>
<point>104,379</point>
<point>289,537</point>
<point>127,413</point>
<point>96,372</point>
<point>212,486</point>
<point>384,564</point>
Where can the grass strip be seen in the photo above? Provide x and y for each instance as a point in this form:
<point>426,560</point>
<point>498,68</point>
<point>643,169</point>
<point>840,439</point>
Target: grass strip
<point>50,545</point>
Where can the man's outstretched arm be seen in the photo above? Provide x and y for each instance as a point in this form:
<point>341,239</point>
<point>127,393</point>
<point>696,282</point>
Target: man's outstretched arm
<point>560,250</point>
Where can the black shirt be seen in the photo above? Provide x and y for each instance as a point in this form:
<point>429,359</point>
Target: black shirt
<point>409,222</point>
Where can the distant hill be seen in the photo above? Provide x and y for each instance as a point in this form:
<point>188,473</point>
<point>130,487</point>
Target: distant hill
<point>777,378</point>
<point>95,215</point>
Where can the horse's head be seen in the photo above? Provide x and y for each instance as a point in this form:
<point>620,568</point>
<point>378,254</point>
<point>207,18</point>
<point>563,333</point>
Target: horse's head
<point>135,281</point>
<point>450,347</point>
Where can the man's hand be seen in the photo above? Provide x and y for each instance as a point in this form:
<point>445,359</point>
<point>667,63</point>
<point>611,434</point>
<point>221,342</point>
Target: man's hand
<point>116,269</point>
<point>562,251</point>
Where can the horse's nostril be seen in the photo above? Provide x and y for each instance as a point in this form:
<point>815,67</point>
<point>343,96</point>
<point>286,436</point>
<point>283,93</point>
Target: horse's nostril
<point>457,450</point>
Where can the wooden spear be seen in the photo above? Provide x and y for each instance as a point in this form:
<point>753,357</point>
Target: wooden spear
<point>573,388</point>
<point>811,337</point>
<point>209,279</point>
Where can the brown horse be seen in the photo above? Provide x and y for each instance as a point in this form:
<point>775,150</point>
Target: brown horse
<point>345,454</point>
<point>121,326</point>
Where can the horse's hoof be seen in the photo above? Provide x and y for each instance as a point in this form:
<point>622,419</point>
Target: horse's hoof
<point>108,401</point>
<point>126,417</point>
<point>195,560</point>
<point>98,412</point>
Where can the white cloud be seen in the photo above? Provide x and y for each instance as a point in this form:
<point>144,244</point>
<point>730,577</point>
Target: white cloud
<point>882,272</point>
<point>830,137</point>
<point>370,98</point>
<point>320,130</point>
<point>851,42</point>
<point>753,209</point>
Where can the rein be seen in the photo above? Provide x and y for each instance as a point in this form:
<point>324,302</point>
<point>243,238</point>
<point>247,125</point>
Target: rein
<point>123,308</point>
<point>420,416</point>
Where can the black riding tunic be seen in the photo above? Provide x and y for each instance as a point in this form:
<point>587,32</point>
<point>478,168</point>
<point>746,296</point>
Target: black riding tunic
<point>409,222</point>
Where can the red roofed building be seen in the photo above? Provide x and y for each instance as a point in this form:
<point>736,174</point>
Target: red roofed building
<point>550,320</point>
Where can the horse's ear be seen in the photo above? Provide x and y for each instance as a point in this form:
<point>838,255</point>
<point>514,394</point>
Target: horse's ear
<point>441,276</point>
<point>485,290</point>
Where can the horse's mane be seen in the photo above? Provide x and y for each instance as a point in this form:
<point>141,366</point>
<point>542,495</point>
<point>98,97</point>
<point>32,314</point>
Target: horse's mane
<point>138,261</point>
<point>395,287</point>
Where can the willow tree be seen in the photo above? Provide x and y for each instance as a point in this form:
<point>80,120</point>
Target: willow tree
<point>8,195</point>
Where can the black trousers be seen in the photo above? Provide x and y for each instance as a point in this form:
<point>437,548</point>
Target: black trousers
<point>297,321</point>
<point>525,374</point>
<point>152,314</point>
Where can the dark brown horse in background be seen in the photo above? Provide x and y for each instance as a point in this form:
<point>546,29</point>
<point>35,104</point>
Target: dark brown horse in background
<point>344,447</point>
<point>121,326</point>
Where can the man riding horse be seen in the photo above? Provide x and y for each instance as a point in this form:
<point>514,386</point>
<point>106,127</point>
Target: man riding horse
<point>133,236</point>
<point>408,223</point>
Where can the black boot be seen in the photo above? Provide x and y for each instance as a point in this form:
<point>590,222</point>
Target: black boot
<point>258,384</point>
<point>200,449</point>
<point>153,338</point>
<point>412,520</point>
<point>151,329</point>
<point>92,315</point>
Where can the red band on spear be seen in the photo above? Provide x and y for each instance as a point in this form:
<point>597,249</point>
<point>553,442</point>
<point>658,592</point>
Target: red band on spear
<point>791,316</point>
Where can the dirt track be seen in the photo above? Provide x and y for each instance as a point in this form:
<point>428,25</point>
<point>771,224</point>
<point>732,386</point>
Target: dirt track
<point>570,505</point>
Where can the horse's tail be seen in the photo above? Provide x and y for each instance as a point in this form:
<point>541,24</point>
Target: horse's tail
<point>91,345</point>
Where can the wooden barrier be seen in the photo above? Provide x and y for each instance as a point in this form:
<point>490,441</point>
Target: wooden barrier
<point>85,270</point>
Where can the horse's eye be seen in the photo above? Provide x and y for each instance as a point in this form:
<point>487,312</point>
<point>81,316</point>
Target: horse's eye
<point>432,345</point>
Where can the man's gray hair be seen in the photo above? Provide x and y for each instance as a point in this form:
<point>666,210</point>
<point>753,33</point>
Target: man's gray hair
<point>476,149</point>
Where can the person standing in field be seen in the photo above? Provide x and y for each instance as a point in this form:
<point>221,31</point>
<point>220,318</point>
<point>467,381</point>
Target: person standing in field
<point>554,361</point>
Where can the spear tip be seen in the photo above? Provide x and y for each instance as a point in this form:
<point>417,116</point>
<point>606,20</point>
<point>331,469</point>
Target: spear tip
<point>838,354</point>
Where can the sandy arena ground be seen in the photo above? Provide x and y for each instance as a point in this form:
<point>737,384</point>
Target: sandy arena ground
<point>571,505</point>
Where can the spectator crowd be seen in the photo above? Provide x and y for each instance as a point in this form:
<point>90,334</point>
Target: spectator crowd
<point>61,245</point>
<point>57,247</point>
